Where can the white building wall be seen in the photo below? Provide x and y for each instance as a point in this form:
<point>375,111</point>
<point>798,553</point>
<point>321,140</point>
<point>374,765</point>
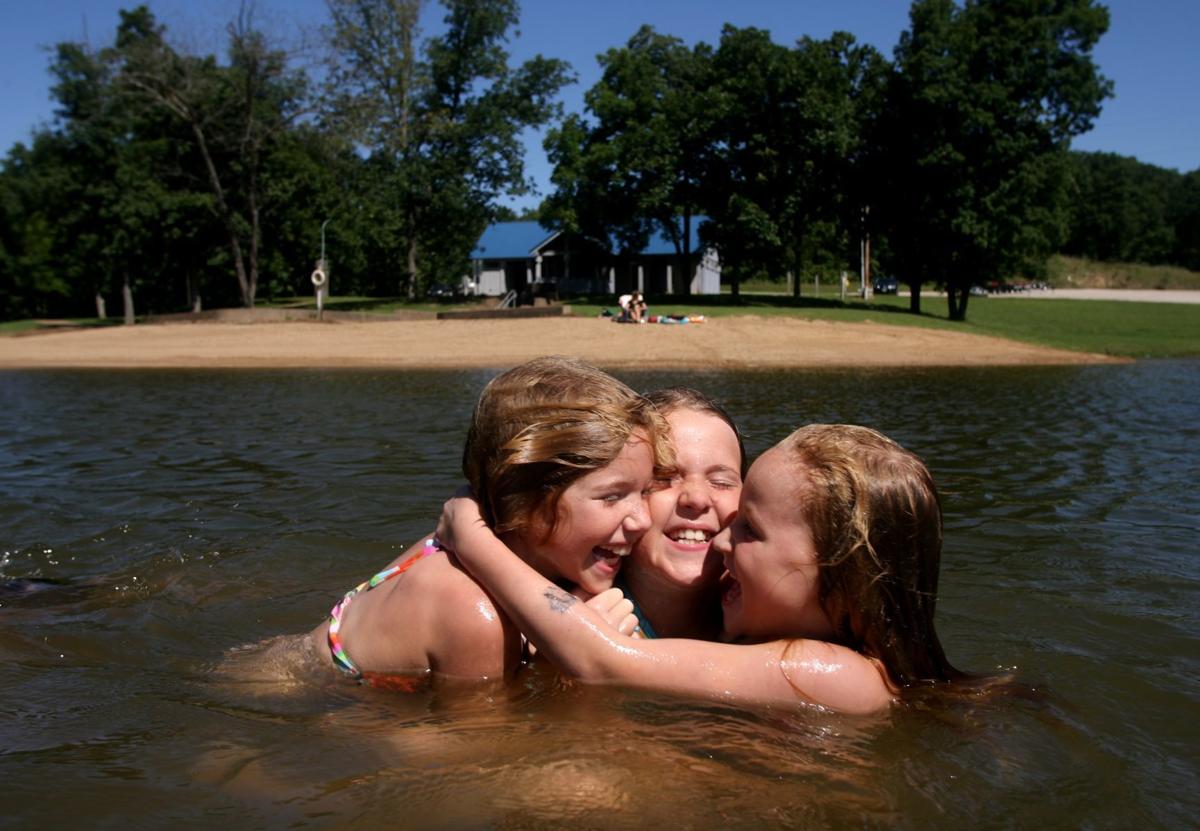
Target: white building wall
<point>490,282</point>
<point>707,279</point>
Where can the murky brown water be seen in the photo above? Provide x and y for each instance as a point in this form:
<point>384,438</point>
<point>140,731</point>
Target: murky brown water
<point>151,522</point>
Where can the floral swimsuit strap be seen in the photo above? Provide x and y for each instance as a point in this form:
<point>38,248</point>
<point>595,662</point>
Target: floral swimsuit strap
<point>338,612</point>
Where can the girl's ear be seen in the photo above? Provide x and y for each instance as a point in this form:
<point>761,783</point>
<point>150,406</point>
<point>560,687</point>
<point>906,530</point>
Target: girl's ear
<point>546,519</point>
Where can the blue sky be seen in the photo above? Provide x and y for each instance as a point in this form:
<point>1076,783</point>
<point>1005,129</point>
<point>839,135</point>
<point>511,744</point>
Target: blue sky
<point>1149,52</point>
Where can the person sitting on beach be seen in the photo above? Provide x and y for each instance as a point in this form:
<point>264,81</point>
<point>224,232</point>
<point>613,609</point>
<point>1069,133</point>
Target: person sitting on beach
<point>637,307</point>
<point>633,308</point>
<point>625,301</point>
<point>561,456</point>
<point>672,576</point>
<point>828,596</point>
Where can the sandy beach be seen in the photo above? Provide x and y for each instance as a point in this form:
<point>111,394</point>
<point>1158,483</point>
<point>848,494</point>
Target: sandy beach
<point>721,343</point>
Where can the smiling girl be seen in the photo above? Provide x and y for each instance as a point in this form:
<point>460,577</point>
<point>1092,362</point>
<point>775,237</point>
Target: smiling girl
<point>561,456</point>
<point>829,592</point>
<point>672,576</point>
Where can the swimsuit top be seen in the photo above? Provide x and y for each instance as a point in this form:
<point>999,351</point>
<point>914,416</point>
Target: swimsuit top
<point>644,629</point>
<point>340,659</point>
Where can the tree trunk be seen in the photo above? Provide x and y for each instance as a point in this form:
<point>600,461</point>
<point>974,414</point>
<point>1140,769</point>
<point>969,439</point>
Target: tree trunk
<point>956,297</point>
<point>226,214</point>
<point>127,299</point>
<point>796,272</point>
<point>411,265</point>
<point>914,298</point>
<point>101,309</point>
<point>193,294</point>
<point>239,267</point>
<point>962,306</point>
<point>255,230</point>
<point>411,253</point>
<point>685,281</point>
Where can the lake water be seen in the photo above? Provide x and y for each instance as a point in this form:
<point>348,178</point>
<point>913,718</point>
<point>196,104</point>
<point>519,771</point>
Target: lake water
<point>171,517</point>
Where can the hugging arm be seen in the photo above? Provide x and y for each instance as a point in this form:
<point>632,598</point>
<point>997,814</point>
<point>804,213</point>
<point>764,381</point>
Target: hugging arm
<point>578,640</point>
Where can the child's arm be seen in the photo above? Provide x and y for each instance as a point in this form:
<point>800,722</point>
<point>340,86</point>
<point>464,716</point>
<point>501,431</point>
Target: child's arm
<point>580,643</point>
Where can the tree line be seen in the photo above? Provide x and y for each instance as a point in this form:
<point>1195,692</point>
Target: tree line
<point>184,179</point>
<point>1123,210</point>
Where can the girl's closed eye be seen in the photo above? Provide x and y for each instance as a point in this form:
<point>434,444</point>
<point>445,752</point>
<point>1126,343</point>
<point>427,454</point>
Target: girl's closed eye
<point>748,530</point>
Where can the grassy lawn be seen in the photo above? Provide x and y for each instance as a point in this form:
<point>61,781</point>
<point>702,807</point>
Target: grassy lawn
<point>1136,330</point>
<point>17,327</point>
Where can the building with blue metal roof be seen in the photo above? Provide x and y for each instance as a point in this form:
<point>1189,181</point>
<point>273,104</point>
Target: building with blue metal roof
<point>512,240</point>
<point>533,259</point>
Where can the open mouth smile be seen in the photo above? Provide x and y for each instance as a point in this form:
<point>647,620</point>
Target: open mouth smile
<point>609,557</point>
<point>690,535</point>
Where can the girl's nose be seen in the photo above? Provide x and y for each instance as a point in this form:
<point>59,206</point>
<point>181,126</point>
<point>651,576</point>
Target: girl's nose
<point>694,496</point>
<point>722,543</point>
<point>637,521</point>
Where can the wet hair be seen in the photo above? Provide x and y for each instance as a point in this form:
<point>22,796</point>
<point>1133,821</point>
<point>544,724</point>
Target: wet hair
<point>670,399</point>
<point>542,425</point>
<point>876,523</point>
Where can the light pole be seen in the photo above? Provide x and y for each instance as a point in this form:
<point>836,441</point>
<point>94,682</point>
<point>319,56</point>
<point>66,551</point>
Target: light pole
<point>320,276</point>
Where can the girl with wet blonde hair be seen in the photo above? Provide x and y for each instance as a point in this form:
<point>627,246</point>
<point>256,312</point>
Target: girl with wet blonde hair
<point>562,456</point>
<point>828,596</point>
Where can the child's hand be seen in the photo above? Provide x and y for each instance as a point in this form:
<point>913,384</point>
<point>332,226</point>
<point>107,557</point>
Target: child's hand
<point>616,609</point>
<point>460,518</point>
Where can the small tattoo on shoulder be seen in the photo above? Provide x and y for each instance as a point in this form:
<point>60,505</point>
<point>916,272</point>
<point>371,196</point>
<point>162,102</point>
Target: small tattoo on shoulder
<point>560,601</point>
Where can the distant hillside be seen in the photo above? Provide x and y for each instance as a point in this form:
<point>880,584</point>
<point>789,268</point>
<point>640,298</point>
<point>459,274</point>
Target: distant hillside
<point>1076,272</point>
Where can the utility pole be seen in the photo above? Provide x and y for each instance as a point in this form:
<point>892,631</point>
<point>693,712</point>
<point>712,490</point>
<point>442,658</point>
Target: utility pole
<point>864,248</point>
<point>320,277</point>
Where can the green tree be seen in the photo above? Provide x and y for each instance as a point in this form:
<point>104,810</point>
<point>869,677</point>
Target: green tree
<point>642,163</point>
<point>1185,218</point>
<point>752,178</point>
<point>235,114</point>
<point>442,121</point>
<point>1120,209</point>
<point>982,105</point>
<point>786,182</point>
<point>110,180</point>
<point>29,283</point>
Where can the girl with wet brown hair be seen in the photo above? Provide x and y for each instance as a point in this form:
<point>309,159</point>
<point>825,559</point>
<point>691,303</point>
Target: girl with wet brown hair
<point>828,595</point>
<point>562,456</point>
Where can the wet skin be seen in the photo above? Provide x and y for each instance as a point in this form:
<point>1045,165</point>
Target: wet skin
<point>770,589</point>
<point>674,560</point>
<point>601,516</point>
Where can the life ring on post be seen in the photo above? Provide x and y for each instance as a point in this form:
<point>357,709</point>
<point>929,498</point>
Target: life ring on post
<point>318,278</point>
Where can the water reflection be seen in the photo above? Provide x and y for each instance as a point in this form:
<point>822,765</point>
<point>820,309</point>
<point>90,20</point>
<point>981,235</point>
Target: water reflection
<point>152,522</point>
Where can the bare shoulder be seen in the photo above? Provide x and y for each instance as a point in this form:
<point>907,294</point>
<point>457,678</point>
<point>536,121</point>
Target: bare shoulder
<point>441,583</point>
<point>469,637</point>
<point>836,677</point>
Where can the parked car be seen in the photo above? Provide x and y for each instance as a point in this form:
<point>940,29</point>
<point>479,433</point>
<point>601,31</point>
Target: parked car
<point>978,291</point>
<point>886,285</point>
<point>441,291</point>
